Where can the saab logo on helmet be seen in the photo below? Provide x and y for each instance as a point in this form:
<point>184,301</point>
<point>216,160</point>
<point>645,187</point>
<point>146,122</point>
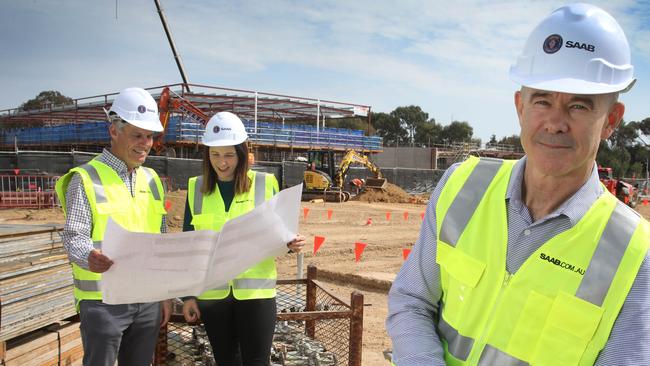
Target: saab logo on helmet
<point>216,129</point>
<point>552,43</point>
<point>582,46</point>
<point>143,109</point>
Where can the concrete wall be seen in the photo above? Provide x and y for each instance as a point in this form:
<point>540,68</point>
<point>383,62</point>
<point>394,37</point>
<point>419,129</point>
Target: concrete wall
<point>404,157</point>
<point>180,170</point>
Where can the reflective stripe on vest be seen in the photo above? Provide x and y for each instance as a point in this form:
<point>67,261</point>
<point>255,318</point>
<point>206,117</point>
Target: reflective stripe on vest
<point>607,256</point>
<point>253,283</point>
<point>98,187</point>
<point>152,184</point>
<point>458,345</point>
<point>593,287</point>
<point>492,356</point>
<point>87,285</point>
<point>467,200</point>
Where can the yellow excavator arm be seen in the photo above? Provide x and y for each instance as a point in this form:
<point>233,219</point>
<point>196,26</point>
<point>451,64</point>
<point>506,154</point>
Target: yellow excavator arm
<point>354,157</point>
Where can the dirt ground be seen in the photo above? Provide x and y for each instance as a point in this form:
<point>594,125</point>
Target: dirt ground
<point>349,223</point>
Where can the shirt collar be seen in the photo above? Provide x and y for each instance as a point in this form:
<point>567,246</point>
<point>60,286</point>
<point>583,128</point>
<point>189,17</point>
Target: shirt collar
<point>574,208</point>
<point>114,162</point>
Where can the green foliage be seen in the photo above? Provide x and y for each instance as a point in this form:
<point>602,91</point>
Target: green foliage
<point>389,127</point>
<point>410,117</point>
<point>428,133</point>
<point>512,142</point>
<point>354,123</point>
<point>46,99</point>
<point>457,132</point>
<point>615,157</point>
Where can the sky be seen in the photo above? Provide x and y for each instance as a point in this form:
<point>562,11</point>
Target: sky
<point>451,58</point>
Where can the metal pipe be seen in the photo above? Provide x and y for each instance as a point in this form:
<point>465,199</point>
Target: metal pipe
<point>177,57</point>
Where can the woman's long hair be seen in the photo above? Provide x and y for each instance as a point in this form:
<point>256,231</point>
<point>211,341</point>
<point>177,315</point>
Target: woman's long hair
<point>242,182</point>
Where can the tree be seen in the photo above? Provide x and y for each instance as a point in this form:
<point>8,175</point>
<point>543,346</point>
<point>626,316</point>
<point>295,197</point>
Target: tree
<point>353,123</point>
<point>389,128</point>
<point>46,99</point>
<point>512,140</point>
<point>457,132</point>
<point>428,133</point>
<point>492,142</point>
<point>410,117</point>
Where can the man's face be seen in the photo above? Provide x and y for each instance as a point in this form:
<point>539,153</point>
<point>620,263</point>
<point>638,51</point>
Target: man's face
<point>131,144</point>
<point>561,132</point>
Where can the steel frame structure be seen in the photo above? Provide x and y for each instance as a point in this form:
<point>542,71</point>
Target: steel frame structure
<point>247,104</point>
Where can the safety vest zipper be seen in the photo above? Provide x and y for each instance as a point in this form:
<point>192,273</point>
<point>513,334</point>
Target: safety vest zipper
<point>475,357</point>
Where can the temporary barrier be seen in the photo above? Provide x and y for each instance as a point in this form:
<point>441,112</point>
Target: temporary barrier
<point>313,327</point>
<point>27,191</point>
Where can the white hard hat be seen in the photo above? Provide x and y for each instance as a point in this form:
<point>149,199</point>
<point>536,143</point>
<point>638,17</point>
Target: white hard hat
<point>137,107</point>
<point>224,129</point>
<point>578,49</point>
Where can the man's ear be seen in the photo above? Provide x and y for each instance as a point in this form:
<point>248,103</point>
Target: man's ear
<point>519,105</point>
<point>112,131</point>
<point>614,118</point>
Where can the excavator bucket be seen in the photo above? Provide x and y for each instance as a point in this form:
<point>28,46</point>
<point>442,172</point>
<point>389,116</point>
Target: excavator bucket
<point>376,183</point>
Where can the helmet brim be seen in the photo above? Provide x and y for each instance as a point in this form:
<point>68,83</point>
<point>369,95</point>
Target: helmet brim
<point>223,142</point>
<point>571,85</point>
<point>146,125</point>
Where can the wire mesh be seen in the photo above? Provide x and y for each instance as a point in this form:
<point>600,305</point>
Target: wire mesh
<point>323,341</point>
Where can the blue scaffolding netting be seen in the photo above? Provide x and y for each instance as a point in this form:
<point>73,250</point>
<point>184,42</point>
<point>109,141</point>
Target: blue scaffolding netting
<point>185,130</point>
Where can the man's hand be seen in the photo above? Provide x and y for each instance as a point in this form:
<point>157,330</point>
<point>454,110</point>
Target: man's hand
<point>97,262</point>
<point>166,312</point>
<point>191,311</point>
<point>297,243</point>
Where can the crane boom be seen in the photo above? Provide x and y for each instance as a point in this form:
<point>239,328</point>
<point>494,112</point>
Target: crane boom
<point>177,57</point>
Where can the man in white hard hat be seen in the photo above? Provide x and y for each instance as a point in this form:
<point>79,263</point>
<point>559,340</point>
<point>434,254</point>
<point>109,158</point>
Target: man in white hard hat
<point>533,262</point>
<point>115,185</point>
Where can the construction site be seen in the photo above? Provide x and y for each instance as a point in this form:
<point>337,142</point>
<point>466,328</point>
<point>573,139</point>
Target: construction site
<point>362,207</point>
<point>363,203</point>
<point>332,303</point>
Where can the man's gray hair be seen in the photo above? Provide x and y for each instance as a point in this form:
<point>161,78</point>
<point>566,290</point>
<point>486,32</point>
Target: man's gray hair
<point>115,119</point>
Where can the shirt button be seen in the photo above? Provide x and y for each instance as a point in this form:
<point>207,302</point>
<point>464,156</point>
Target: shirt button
<point>527,232</point>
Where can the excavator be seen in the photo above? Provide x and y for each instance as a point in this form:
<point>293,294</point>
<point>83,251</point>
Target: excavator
<point>323,179</point>
<point>166,105</point>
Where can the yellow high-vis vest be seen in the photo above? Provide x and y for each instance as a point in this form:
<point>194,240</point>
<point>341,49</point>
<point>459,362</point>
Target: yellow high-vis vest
<point>209,213</point>
<point>108,196</point>
<point>559,308</point>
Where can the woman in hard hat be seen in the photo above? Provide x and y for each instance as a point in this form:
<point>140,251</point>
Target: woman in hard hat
<point>241,314</point>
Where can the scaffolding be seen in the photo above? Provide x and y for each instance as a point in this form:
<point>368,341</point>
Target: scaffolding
<point>274,121</point>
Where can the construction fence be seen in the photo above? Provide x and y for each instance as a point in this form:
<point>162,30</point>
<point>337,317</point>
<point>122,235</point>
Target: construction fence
<point>313,327</point>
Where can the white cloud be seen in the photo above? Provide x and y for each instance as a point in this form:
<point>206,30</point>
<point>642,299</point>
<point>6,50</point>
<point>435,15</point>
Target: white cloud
<point>450,57</point>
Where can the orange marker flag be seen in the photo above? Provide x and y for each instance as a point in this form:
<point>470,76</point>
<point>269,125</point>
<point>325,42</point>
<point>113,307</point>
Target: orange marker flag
<point>305,212</point>
<point>645,201</point>
<point>422,216</point>
<point>168,205</point>
<point>387,216</point>
<point>406,215</point>
<point>318,241</point>
<point>329,213</point>
<point>16,171</point>
<point>358,249</point>
<point>405,253</point>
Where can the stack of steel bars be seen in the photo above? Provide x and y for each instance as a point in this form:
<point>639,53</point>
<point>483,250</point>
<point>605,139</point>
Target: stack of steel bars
<point>35,279</point>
